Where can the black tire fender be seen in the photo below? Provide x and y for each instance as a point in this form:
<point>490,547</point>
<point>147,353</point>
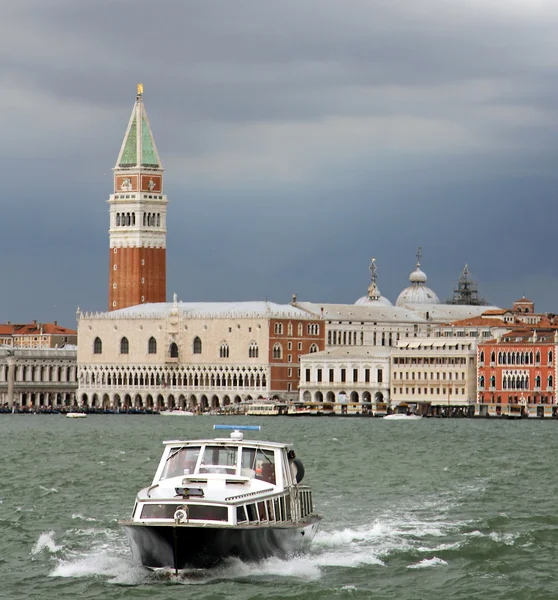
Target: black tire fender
<point>299,469</point>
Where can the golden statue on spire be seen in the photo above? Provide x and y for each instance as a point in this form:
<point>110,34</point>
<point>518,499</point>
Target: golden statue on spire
<point>140,89</point>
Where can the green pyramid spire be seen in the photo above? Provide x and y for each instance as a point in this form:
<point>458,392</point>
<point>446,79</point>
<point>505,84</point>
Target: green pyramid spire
<point>149,156</point>
<point>138,148</point>
<point>129,157</point>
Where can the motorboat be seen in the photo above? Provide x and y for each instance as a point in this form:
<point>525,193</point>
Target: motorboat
<point>76,415</point>
<point>404,412</point>
<point>402,417</point>
<point>214,499</point>
<point>176,413</point>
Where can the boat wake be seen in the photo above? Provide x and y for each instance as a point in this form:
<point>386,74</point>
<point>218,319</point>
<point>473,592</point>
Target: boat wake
<point>412,541</point>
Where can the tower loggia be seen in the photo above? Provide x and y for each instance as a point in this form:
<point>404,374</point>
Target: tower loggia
<point>138,218</point>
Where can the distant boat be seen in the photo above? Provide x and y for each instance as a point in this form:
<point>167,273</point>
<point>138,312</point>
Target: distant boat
<point>76,415</point>
<point>176,413</point>
<point>404,412</point>
<point>402,417</point>
<point>266,409</point>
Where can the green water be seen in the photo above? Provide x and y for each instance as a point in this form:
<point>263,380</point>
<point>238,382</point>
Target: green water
<point>423,509</point>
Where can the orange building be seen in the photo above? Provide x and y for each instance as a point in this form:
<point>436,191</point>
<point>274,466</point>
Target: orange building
<point>138,218</point>
<point>519,369</point>
<point>36,335</point>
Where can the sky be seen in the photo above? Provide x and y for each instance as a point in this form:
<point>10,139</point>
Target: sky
<point>299,139</point>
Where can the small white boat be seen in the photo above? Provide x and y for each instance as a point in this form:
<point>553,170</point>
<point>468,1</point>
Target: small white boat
<point>402,417</point>
<point>76,415</point>
<point>176,413</point>
<point>214,499</point>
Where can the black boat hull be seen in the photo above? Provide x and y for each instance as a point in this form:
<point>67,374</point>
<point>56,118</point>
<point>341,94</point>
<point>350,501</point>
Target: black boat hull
<point>181,546</point>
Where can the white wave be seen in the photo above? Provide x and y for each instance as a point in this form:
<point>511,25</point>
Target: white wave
<point>45,542</point>
<point>453,546</point>
<point>120,570</point>
<point>475,533</point>
<point>82,517</point>
<point>349,557</point>
<point>348,536</point>
<point>52,490</point>
<point>428,562</point>
<point>303,567</point>
<point>504,538</point>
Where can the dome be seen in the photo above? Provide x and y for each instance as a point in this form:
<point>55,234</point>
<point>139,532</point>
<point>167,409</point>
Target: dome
<point>372,300</point>
<point>418,276</point>
<point>374,296</point>
<point>417,292</point>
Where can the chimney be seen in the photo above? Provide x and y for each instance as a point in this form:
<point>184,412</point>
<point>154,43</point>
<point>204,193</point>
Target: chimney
<point>56,322</point>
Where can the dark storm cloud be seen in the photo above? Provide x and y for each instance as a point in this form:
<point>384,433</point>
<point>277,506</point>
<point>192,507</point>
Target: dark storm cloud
<point>300,138</point>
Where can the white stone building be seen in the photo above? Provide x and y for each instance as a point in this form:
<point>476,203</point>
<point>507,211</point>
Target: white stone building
<point>195,355</point>
<point>38,379</point>
<point>439,372</point>
<point>354,380</point>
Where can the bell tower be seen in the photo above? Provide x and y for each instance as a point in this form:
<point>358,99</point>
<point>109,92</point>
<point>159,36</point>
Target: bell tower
<point>138,218</point>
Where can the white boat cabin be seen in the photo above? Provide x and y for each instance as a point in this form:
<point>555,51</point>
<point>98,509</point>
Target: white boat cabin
<point>226,481</point>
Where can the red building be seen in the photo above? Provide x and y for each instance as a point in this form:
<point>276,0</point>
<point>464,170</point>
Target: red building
<point>138,218</point>
<point>518,369</point>
<point>289,339</point>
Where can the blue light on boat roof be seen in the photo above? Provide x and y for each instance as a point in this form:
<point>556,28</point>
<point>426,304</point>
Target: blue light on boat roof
<point>239,427</point>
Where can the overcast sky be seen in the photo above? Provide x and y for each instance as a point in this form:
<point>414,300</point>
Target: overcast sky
<point>300,138</point>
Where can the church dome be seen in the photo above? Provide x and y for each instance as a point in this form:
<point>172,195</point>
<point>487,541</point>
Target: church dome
<point>417,292</point>
<point>418,276</point>
<point>373,297</point>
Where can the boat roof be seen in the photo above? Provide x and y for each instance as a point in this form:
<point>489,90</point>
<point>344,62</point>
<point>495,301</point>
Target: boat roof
<point>229,442</point>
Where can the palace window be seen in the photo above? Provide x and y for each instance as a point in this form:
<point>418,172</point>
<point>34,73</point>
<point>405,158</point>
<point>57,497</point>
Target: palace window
<point>124,346</point>
<point>253,350</point>
<point>173,350</point>
<point>277,351</point>
<point>152,346</point>
<point>224,351</point>
<point>197,345</point>
<point>278,328</point>
<point>313,348</point>
<point>97,346</point>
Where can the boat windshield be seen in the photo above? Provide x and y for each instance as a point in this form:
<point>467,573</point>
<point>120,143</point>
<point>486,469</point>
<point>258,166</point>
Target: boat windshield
<point>181,461</point>
<point>261,462</point>
<point>219,459</point>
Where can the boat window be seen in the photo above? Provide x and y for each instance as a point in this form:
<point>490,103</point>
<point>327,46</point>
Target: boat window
<point>207,512</point>
<point>219,459</point>
<point>270,512</point>
<point>181,461</point>
<point>261,511</point>
<point>260,461</point>
<point>240,514</point>
<point>252,512</point>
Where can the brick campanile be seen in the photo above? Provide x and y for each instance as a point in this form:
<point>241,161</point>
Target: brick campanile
<point>138,218</point>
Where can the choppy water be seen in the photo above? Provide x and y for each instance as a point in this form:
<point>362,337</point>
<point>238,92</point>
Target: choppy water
<point>423,509</point>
